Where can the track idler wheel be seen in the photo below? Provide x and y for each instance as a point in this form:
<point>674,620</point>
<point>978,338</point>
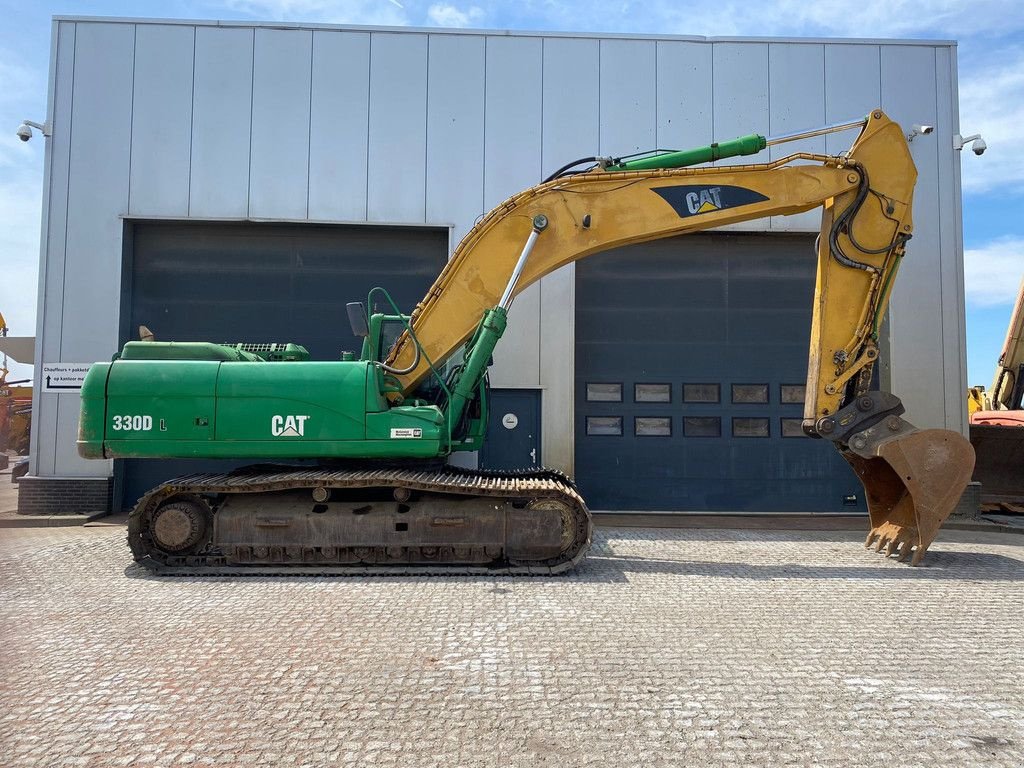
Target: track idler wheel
<point>913,480</point>
<point>182,525</point>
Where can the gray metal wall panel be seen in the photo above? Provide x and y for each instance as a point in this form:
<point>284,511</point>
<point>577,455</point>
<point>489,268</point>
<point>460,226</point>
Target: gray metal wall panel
<point>512,162</point>
<point>570,127</point>
<point>628,99</point>
<point>397,128</point>
<point>52,254</point>
<point>954,334</point>
<point>571,101</point>
<point>852,89</point>
<point>97,195</point>
<point>97,188</point>
<point>915,314</point>
<point>455,131</point>
<point>279,157</point>
<point>338,135</point>
<point>161,120</point>
<point>221,123</point>
<point>740,81</point>
<point>684,95</point>
<point>796,101</point>
<point>740,99</point>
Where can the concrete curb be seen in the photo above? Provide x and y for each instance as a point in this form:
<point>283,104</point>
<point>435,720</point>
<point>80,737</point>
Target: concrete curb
<point>48,521</point>
<point>773,522</point>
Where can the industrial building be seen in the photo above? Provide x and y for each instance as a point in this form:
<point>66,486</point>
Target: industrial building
<point>241,182</point>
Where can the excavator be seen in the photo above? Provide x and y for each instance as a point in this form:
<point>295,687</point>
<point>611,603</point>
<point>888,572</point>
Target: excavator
<point>997,422</point>
<point>352,472</point>
<point>15,408</point>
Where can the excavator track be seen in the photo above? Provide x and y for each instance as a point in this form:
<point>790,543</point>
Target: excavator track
<point>275,521</point>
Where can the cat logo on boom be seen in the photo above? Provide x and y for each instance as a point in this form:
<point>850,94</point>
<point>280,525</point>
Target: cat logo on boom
<point>705,200</point>
<point>288,426</point>
<point>696,199</point>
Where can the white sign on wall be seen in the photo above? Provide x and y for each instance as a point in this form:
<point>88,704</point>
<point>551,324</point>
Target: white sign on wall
<point>64,377</point>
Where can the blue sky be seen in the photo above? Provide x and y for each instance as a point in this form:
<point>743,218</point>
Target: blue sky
<point>990,34</point>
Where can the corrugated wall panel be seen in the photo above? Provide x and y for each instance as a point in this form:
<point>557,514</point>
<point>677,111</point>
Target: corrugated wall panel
<point>161,120</point>
<point>954,334</point>
<point>512,162</point>
<point>570,128</point>
<point>97,196</point>
<point>455,131</point>
<point>397,128</point>
<point>740,99</point>
<point>684,95</point>
<point>52,259</point>
<point>338,135</point>
<point>852,89</point>
<point>279,156</point>
<point>628,97</point>
<point>740,94</point>
<point>221,123</point>
<point>915,315</point>
<point>796,102</point>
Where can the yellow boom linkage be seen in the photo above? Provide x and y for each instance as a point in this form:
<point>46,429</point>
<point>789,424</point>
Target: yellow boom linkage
<point>912,478</point>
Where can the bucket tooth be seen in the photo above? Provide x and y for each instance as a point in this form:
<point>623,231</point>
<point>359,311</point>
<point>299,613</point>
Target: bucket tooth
<point>912,482</point>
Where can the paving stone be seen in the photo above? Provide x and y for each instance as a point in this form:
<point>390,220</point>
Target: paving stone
<point>666,648</point>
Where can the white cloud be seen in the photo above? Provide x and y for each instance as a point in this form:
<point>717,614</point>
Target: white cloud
<point>447,15</point>
<point>992,272</point>
<point>992,103</point>
<point>368,12</point>
<point>842,18</point>
<point>18,81</point>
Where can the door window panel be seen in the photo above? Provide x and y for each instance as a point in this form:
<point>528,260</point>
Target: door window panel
<point>652,426</point>
<point>701,393</point>
<point>749,393</point>
<point>702,426</point>
<point>604,425</point>
<point>749,427</point>
<point>598,392</point>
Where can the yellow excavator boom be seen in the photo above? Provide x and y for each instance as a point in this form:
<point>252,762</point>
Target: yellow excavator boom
<point>913,478</point>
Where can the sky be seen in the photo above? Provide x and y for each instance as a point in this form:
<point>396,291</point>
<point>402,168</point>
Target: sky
<point>990,36</point>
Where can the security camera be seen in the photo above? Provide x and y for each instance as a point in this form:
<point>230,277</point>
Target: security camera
<point>24,131</point>
<point>919,130</point>
<point>978,146</point>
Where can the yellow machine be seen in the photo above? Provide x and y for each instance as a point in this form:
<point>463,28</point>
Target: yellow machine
<point>15,409</point>
<point>393,415</point>
<point>997,421</point>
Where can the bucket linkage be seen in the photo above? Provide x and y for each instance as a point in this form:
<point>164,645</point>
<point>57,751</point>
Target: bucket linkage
<point>913,478</point>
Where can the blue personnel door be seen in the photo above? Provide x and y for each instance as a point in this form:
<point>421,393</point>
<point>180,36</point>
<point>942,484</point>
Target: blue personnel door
<point>513,430</point>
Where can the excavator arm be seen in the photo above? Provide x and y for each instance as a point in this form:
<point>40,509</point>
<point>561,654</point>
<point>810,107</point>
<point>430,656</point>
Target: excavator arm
<point>912,478</point>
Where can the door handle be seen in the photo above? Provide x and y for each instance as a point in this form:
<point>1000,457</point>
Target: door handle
<point>533,455</point>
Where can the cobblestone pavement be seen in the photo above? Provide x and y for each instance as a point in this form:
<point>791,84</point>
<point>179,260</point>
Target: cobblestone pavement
<point>667,647</point>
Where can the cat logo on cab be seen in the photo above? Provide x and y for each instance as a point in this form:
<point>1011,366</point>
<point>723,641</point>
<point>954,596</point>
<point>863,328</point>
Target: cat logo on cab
<point>288,426</point>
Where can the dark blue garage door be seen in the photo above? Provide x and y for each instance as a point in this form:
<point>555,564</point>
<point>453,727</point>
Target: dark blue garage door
<point>259,282</point>
<point>691,358</point>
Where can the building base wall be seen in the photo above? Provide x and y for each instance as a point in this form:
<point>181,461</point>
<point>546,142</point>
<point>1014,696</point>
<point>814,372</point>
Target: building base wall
<point>64,495</point>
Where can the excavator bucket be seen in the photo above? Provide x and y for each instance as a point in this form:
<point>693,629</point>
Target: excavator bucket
<point>913,482</point>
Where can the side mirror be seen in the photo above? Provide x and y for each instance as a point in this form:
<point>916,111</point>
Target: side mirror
<point>357,318</point>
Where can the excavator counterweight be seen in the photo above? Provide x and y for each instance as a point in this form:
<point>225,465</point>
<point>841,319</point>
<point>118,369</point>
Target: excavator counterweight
<point>375,493</point>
